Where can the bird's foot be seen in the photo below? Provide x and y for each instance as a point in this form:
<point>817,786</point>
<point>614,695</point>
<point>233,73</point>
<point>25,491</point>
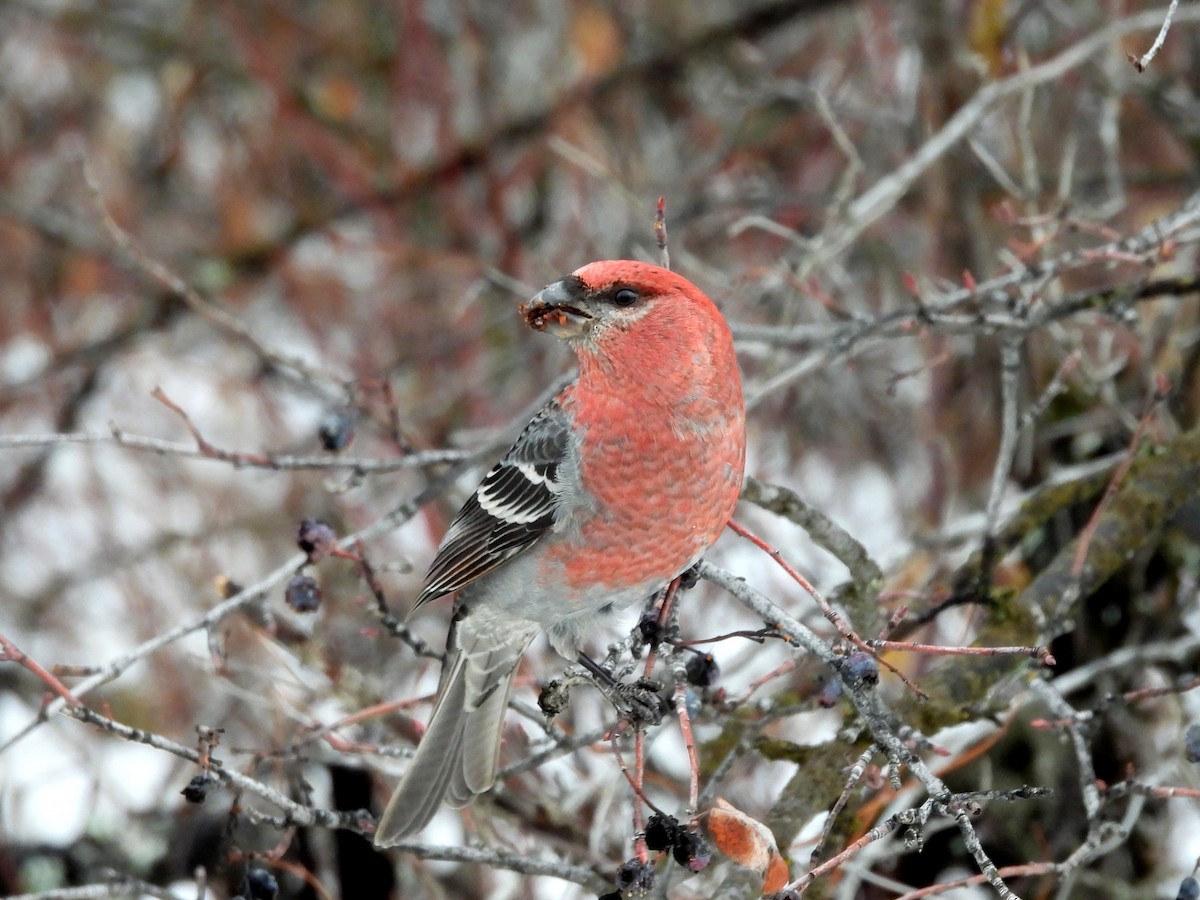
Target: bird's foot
<point>641,703</point>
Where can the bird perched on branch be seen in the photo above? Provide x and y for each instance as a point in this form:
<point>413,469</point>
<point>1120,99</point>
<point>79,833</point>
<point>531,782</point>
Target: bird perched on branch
<point>618,485</point>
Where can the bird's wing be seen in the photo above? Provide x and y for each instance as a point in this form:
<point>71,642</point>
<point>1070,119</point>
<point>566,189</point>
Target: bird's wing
<point>513,506</point>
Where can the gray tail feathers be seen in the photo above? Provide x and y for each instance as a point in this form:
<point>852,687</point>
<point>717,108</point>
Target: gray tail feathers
<point>458,755</point>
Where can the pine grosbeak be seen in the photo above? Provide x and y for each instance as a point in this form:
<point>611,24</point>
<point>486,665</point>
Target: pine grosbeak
<point>616,486</point>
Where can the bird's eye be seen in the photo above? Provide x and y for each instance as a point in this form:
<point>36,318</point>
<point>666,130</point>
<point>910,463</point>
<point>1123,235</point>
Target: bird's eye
<point>625,297</point>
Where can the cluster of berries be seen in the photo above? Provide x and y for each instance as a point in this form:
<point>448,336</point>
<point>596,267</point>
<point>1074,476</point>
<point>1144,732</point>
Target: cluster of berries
<point>663,834</point>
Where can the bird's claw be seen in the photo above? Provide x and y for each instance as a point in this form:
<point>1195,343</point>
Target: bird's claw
<point>641,703</point>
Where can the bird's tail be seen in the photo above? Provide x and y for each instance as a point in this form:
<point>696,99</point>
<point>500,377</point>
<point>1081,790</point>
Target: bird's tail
<point>457,757</point>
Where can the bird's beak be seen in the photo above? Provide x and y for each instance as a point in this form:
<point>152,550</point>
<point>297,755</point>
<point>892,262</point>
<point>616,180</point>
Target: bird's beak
<point>555,309</point>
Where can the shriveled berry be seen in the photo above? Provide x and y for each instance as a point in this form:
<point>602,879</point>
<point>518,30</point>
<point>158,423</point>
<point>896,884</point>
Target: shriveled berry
<point>198,788</point>
<point>553,698</point>
<point>336,430</point>
<point>303,594</point>
<point>259,884</point>
<point>662,832</point>
<point>316,539</point>
<point>635,877</point>
<point>692,851</point>
<point>702,670</point>
<point>649,628</point>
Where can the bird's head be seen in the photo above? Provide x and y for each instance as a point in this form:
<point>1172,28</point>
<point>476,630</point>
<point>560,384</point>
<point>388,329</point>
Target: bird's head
<point>604,299</point>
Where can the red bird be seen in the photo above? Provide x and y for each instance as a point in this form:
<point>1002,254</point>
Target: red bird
<point>616,486</point>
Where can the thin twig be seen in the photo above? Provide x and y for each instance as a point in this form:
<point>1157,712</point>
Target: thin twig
<point>1010,370</point>
<point>689,741</point>
<point>1140,62</point>
<point>10,652</point>
<point>241,459</point>
<point>390,622</point>
<point>660,233</point>
<point>1086,770</point>
<point>1041,654</point>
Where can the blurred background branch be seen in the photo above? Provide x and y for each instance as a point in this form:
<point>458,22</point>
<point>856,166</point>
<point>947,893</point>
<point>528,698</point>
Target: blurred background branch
<point>957,242</point>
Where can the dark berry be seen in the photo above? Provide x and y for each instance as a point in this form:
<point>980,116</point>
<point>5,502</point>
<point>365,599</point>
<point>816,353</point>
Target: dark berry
<point>197,789</point>
<point>692,851</point>
<point>635,877</point>
<point>689,578</point>
<point>303,594</point>
<point>661,832</point>
<point>259,884</point>
<point>702,670</point>
<point>316,539</point>
<point>861,669</point>
<point>649,628</point>
<point>830,692</point>
<point>1191,744</point>
<point>1189,889</point>
<point>611,895</point>
<point>336,430</point>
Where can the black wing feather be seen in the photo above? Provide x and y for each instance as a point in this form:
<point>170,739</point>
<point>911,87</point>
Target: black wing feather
<point>513,506</point>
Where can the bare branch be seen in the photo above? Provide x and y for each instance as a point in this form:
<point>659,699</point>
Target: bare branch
<point>883,195</point>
